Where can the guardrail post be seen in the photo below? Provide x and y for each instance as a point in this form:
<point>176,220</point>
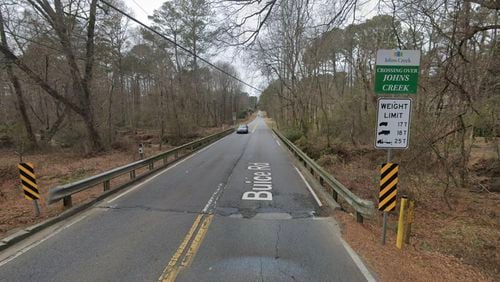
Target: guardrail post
<point>359,217</point>
<point>151,166</point>
<point>409,221</point>
<point>106,185</point>
<point>132,174</point>
<point>335,196</point>
<point>329,182</point>
<point>67,203</point>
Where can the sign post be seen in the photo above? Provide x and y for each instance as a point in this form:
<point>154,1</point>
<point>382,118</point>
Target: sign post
<point>396,73</point>
<point>388,192</point>
<point>393,132</point>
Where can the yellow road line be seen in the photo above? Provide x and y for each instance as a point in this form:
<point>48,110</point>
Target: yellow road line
<point>173,267</point>
<point>195,245</point>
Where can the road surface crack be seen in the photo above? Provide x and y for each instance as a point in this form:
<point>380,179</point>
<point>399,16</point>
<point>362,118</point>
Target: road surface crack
<point>286,274</point>
<point>231,171</point>
<point>276,246</point>
<point>261,276</point>
<point>146,208</point>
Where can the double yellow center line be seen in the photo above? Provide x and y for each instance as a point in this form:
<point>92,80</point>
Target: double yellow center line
<point>188,248</point>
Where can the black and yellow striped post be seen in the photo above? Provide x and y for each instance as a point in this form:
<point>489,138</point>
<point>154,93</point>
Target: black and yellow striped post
<point>388,187</point>
<point>28,182</point>
<point>388,192</point>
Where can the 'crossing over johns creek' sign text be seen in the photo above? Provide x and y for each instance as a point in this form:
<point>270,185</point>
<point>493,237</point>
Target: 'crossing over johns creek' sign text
<point>396,71</point>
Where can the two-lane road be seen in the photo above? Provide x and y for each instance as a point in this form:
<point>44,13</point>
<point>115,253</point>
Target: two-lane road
<point>236,211</point>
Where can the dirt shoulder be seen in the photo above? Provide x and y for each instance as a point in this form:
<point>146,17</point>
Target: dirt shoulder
<point>51,169</point>
<point>408,264</point>
<point>62,167</point>
<point>455,242</point>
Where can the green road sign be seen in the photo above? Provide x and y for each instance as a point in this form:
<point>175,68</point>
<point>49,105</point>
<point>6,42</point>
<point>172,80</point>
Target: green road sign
<point>397,71</point>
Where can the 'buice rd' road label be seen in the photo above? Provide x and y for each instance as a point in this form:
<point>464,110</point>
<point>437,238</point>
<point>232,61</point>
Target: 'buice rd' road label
<point>261,183</point>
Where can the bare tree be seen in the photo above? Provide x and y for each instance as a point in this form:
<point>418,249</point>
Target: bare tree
<point>60,21</point>
<point>17,87</point>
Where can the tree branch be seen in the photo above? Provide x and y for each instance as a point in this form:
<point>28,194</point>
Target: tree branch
<point>38,80</point>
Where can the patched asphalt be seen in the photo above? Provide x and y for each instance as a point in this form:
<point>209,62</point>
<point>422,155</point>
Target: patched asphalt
<point>134,237</point>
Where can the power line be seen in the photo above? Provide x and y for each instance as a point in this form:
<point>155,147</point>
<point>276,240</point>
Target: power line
<point>180,46</point>
<point>60,51</point>
<point>137,4</point>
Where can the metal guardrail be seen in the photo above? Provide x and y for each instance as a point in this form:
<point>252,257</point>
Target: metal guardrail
<point>64,192</point>
<point>363,208</point>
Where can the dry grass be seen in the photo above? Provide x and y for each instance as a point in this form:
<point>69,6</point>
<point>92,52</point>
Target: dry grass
<point>52,169</point>
<point>411,263</point>
<point>59,168</point>
<point>458,244</point>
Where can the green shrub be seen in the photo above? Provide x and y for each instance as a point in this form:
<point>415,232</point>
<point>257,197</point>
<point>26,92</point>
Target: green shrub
<point>242,114</point>
<point>292,134</point>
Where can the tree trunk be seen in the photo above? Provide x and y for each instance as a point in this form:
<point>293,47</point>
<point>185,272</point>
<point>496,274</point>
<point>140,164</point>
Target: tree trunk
<point>94,137</point>
<point>17,90</point>
<point>110,117</point>
<point>161,116</point>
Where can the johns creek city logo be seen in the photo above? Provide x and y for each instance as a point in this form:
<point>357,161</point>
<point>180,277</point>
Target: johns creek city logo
<point>397,57</point>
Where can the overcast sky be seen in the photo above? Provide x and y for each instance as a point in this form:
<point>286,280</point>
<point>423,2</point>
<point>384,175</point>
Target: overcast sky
<point>143,8</point>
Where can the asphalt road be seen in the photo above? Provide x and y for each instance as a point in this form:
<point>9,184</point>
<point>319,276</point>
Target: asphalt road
<point>235,211</point>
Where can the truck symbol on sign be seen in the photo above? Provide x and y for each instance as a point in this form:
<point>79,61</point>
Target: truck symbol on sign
<point>384,123</point>
<point>381,141</point>
<point>384,132</point>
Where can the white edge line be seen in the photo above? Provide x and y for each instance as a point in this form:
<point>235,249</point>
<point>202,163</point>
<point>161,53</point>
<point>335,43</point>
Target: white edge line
<point>160,173</point>
<point>134,187</point>
<point>278,142</point>
<point>211,200</point>
<point>309,187</point>
<point>357,260</point>
<point>26,249</point>
<point>9,259</point>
